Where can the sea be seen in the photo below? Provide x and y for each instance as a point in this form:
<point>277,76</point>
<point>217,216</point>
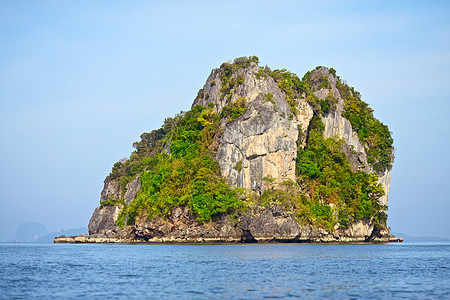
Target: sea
<point>228,271</point>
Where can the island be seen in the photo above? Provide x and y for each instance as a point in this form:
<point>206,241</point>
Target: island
<point>262,156</point>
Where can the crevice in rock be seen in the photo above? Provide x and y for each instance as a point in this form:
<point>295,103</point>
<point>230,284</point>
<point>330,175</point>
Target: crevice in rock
<point>254,156</point>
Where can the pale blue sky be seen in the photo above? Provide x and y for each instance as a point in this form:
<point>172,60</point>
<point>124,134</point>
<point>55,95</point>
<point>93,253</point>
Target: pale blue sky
<point>81,80</point>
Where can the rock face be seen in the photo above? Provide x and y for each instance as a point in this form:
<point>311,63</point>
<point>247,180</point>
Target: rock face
<point>261,143</point>
<point>260,225</point>
<point>263,139</point>
<point>104,218</point>
<point>338,126</point>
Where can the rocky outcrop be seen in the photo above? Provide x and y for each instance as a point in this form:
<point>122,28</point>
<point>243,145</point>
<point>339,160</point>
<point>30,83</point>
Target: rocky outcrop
<point>385,180</point>
<point>263,139</point>
<point>104,218</point>
<point>338,126</point>
<point>271,224</point>
<point>259,144</point>
<point>303,117</point>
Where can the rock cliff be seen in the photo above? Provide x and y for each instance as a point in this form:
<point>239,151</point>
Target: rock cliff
<point>259,126</point>
<point>263,139</point>
<point>338,126</point>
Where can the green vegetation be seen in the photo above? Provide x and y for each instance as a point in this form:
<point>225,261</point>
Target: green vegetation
<point>239,166</point>
<point>269,98</point>
<point>228,69</point>
<point>289,83</point>
<point>327,191</point>
<point>371,132</point>
<point>200,93</point>
<point>233,110</point>
<point>374,135</point>
<point>108,203</point>
<point>324,83</point>
<point>238,63</point>
<point>323,171</point>
<point>186,175</point>
<point>332,71</point>
<point>295,89</point>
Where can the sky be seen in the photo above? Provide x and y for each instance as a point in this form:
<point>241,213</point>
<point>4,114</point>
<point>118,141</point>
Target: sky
<point>80,81</point>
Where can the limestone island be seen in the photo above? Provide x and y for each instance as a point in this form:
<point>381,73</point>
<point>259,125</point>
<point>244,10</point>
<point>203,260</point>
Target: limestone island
<point>262,156</point>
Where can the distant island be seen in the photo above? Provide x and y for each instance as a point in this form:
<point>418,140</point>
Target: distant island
<point>421,239</point>
<point>49,238</point>
<point>35,232</point>
<point>29,232</point>
<point>261,156</point>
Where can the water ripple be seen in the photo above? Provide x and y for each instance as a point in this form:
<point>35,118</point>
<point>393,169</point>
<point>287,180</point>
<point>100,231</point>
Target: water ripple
<point>280,271</point>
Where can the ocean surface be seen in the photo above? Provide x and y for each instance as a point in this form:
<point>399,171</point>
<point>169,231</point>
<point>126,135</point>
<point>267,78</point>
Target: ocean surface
<point>253,271</point>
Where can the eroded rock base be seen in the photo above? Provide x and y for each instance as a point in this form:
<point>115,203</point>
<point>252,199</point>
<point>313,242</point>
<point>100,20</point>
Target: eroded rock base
<point>259,225</point>
<point>172,240</point>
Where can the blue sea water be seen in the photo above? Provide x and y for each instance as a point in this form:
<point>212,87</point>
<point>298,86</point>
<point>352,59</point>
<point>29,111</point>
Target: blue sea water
<point>251,271</point>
